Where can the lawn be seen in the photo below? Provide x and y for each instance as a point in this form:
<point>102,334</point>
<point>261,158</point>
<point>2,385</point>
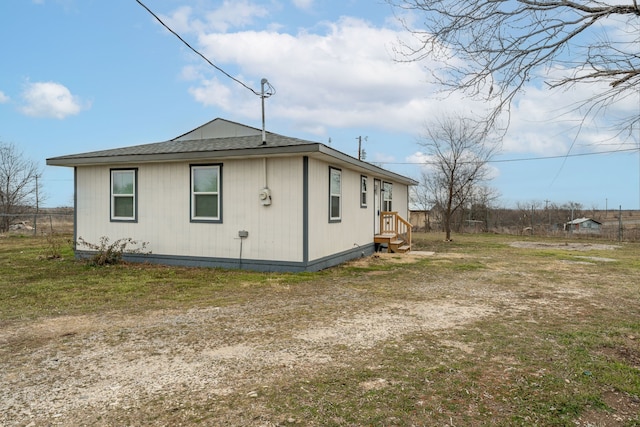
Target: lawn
<point>484,330</point>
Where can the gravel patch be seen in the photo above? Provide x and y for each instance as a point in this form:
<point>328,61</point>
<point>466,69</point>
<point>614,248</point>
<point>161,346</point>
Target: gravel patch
<point>571,246</point>
<point>72,365</point>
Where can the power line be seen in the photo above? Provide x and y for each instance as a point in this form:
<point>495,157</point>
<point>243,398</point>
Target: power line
<point>563,156</point>
<point>204,57</point>
<point>523,159</point>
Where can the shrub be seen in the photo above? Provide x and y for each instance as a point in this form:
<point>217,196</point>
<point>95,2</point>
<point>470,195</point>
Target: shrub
<point>107,253</point>
<point>53,249</point>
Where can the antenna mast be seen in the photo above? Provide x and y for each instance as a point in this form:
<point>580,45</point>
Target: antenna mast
<point>262,96</point>
<point>361,153</point>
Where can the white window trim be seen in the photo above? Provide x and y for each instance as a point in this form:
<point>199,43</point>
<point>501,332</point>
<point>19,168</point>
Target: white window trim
<point>332,195</point>
<point>386,199</point>
<point>134,196</point>
<point>364,188</point>
<point>193,216</point>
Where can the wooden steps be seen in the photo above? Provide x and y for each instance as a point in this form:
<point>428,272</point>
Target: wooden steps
<point>395,233</point>
<point>392,242</point>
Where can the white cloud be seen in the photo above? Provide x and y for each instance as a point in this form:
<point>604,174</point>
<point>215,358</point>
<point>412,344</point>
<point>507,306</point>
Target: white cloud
<point>212,92</point>
<point>231,14</point>
<point>303,4</point>
<point>342,77</point>
<point>50,99</point>
<point>190,73</point>
<point>420,157</point>
<point>236,13</point>
<point>3,98</point>
<point>181,22</point>
<point>552,122</point>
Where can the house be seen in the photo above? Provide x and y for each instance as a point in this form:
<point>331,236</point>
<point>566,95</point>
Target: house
<point>233,196</point>
<point>420,219</point>
<point>583,225</point>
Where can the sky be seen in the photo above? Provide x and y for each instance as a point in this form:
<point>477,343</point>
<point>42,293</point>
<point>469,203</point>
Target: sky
<point>86,75</point>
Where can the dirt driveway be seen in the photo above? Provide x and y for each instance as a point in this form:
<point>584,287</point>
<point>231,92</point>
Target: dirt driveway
<point>96,369</point>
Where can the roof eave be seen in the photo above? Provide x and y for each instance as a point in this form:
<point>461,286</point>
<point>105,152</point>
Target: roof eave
<point>366,166</point>
<point>260,151</point>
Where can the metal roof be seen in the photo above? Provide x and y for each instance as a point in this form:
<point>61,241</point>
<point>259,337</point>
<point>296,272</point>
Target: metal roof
<point>188,146</point>
<point>243,146</point>
<point>581,220</point>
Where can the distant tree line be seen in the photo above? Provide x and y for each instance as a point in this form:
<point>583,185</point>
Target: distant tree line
<point>528,219</point>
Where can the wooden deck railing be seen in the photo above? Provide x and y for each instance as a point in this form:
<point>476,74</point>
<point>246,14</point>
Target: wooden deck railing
<point>392,223</point>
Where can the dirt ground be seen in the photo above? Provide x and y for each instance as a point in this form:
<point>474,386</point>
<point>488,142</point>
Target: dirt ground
<point>77,370</point>
<point>571,246</point>
<point>73,365</point>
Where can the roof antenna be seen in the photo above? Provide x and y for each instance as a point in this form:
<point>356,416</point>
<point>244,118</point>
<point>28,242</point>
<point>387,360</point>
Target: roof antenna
<point>262,96</point>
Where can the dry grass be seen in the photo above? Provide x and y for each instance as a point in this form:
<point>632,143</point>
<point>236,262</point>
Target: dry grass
<point>475,332</point>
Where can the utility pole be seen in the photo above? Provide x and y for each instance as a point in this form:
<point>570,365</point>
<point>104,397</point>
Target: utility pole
<point>571,223</point>
<point>35,217</point>
<point>620,224</point>
<point>361,154</point>
<point>546,208</point>
<point>532,213</point>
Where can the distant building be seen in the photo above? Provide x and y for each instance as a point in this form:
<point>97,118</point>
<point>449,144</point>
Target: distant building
<point>583,226</point>
<point>420,219</point>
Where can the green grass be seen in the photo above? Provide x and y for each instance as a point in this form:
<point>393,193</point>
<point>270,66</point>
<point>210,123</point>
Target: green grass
<point>547,381</point>
<point>33,286</point>
<point>562,339</point>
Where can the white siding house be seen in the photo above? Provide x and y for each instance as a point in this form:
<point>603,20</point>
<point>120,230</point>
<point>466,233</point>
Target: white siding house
<point>220,196</point>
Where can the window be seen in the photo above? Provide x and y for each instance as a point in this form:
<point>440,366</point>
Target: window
<point>335,194</point>
<point>205,193</point>
<point>123,194</point>
<point>387,196</point>
<point>363,191</point>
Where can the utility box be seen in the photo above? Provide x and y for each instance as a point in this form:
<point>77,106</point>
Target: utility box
<point>243,234</point>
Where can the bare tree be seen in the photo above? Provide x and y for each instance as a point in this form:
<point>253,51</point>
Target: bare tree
<point>484,198</point>
<point>18,184</point>
<point>490,49</point>
<point>529,215</point>
<point>458,151</point>
<point>573,210</point>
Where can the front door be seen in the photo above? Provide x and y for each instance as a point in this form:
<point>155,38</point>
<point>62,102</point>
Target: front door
<point>376,206</point>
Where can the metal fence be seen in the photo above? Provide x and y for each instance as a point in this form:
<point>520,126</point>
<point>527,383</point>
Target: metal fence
<point>42,223</point>
<point>624,230</point>
<point>61,221</point>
